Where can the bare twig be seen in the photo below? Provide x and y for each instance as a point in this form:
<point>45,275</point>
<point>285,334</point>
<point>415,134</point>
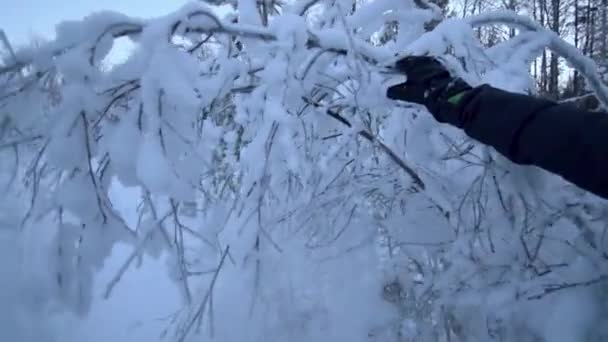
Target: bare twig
<point>33,170</point>
<point>20,141</point>
<point>180,250</point>
<point>339,233</point>
<point>116,98</point>
<point>549,289</point>
<point>566,50</point>
<point>219,26</point>
<point>6,43</point>
<point>370,137</point>
<point>423,244</point>
<point>201,43</point>
<point>128,27</point>
<point>123,268</point>
<point>199,312</point>
<point>161,227</point>
<point>15,170</point>
<point>90,168</point>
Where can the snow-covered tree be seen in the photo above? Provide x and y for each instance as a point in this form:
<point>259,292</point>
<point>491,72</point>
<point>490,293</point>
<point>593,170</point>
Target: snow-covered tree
<point>295,201</point>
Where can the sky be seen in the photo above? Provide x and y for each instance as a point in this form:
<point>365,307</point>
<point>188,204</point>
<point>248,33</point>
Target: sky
<point>23,19</point>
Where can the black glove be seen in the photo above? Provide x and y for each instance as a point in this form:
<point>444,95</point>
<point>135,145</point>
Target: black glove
<point>430,84</point>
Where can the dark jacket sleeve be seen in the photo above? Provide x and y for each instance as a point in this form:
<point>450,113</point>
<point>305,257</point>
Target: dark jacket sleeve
<point>559,138</point>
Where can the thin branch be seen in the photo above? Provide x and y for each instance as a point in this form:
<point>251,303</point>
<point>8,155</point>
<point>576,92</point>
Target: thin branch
<point>8,45</point>
<point>90,167</point>
<point>180,251</point>
<point>115,99</point>
<point>564,49</point>
<point>123,268</point>
<point>201,43</point>
<point>339,233</point>
<point>218,26</point>
<point>304,6</point>
<point>15,172</point>
<point>35,182</point>
<point>130,28</point>
<point>425,244</point>
<point>370,137</point>
<point>161,226</point>
<point>577,98</point>
<point>548,289</point>
<point>20,141</point>
<point>201,308</point>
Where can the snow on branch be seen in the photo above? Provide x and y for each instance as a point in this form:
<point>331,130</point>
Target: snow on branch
<point>192,18</point>
<point>188,115</point>
<point>275,137</point>
<point>585,65</point>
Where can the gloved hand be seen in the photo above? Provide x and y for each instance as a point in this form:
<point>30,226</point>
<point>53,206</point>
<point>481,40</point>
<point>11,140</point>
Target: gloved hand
<point>430,84</point>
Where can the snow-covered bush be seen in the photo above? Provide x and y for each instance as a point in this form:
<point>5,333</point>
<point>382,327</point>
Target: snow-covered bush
<point>295,201</point>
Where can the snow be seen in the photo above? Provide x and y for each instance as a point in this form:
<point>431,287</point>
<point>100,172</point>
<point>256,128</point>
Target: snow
<point>152,167</point>
<point>572,55</point>
<point>123,144</point>
<point>248,13</point>
<point>367,18</point>
<point>23,296</point>
<point>290,31</point>
<point>160,163</point>
<point>129,313</point>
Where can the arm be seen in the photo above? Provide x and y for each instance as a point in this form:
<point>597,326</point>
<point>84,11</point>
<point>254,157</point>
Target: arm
<point>556,137</point>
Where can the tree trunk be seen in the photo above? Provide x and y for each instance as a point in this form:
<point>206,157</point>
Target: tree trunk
<point>575,86</point>
<point>592,31</point>
<point>554,67</point>
<point>604,30</point>
<point>512,6</point>
<point>543,62</point>
<point>535,63</point>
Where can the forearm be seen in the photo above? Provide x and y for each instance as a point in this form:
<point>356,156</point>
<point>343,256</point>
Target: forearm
<point>556,137</point>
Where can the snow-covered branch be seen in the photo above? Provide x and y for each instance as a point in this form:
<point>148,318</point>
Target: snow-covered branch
<point>193,18</point>
<point>585,65</point>
<point>272,134</point>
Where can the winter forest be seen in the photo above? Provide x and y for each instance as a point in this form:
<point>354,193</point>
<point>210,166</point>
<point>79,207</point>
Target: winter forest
<point>247,147</point>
